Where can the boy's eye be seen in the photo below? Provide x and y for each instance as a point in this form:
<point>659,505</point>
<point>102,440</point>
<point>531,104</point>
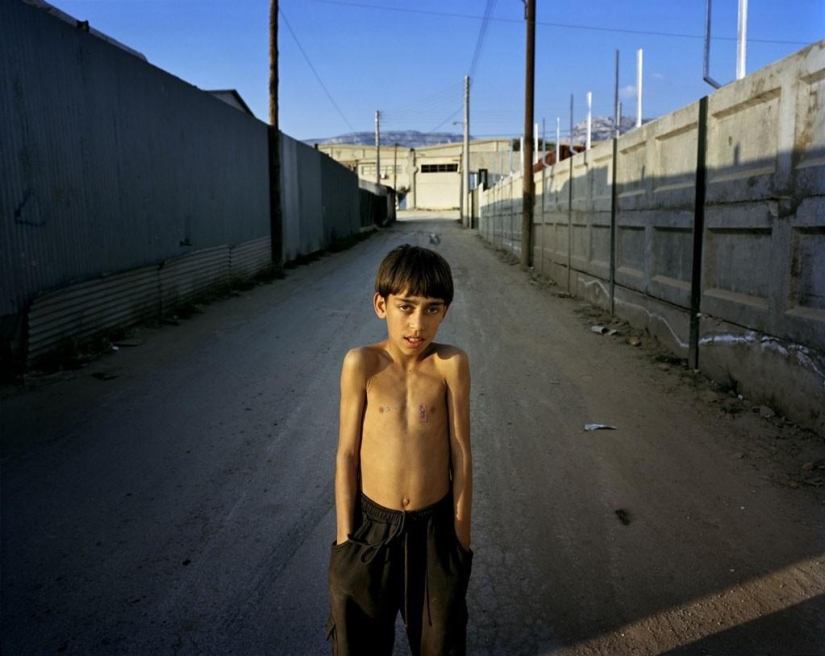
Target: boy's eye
<point>434,309</point>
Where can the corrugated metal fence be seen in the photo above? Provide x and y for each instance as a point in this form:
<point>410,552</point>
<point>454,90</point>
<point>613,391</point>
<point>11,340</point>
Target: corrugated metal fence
<point>125,189</point>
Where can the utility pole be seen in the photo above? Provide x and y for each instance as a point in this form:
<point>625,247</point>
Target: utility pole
<point>274,145</point>
<point>570,207</point>
<point>377,148</point>
<point>465,186</point>
<point>395,167</point>
<point>527,154</point>
<point>617,119</point>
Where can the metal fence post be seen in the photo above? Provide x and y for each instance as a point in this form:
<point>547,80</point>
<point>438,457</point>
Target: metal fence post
<point>698,234</point>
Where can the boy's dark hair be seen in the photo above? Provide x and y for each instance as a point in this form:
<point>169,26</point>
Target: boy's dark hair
<point>417,271</point>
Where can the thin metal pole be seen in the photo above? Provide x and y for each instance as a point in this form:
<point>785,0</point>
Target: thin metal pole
<point>614,208</point>
<point>558,141</point>
<point>698,235</point>
<point>377,148</point>
<point>543,189</point>
<point>570,206</point>
<point>639,67</point>
<point>527,155</point>
<point>543,144</point>
<point>465,219</point>
<point>395,167</point>
<point>742,39</point>
<point>706,60</point>
<point>616,96</point>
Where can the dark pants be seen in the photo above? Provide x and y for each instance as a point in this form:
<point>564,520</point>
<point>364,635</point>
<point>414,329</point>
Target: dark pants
<point>407,561</point>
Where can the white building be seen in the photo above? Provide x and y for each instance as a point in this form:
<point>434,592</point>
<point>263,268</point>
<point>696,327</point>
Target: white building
<point>429,177</point>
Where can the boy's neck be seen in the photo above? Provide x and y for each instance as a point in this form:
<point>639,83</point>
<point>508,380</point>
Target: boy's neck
<point>407,361</point>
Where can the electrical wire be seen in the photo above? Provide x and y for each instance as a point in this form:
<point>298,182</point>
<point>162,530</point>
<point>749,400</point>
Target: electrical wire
<point>317,77</point>
<point>559,25</point>
<point>423,109</point>
<point>482,33</point>
<point>430,108</point>
<point>435,129</point>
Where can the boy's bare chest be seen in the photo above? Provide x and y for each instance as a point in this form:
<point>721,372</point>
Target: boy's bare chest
<point>406,398</point>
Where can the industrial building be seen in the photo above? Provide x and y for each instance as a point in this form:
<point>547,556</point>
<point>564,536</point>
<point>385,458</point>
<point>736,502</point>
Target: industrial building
<point>429,177</point>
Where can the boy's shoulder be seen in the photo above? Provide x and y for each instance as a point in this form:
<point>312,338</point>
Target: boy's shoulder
<point>451,361</point>
<point>448,352</point>
<point>365,358</point>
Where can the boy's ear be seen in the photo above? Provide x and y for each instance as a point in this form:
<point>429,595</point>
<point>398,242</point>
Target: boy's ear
<point>379,304</point>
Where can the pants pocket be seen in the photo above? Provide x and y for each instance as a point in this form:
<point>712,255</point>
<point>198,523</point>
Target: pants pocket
<point>331,635</point>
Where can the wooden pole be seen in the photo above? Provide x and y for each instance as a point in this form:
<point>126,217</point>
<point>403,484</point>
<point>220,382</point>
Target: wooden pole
<point>527,154</point>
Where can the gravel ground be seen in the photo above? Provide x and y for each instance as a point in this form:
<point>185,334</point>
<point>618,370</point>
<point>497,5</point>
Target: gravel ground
<point>175,496</point>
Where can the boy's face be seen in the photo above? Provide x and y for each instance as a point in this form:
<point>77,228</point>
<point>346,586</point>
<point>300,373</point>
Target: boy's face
<point>412,321</point>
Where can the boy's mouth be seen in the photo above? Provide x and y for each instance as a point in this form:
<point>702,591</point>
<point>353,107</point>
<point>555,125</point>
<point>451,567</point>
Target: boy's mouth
<point>414,341</point>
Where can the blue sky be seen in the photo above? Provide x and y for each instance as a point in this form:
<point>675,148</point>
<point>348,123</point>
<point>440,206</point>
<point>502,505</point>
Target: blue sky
<point>341,60</point>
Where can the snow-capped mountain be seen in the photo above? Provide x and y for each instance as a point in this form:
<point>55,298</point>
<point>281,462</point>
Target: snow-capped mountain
<point>603,128</point>
<point>405,139</point>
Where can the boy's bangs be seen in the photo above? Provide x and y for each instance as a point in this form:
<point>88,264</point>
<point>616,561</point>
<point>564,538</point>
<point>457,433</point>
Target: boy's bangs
<point>420,283</point>
<point>416,271</point>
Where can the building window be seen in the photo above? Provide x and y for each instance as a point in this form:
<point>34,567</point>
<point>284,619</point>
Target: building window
<point>439,168</point>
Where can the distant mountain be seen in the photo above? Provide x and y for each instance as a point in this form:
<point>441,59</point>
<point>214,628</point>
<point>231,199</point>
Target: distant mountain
<point>603,128</point>
<point>405,139</point>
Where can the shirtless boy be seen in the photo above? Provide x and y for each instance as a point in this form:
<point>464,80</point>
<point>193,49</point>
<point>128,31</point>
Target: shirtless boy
<point>403,479</point>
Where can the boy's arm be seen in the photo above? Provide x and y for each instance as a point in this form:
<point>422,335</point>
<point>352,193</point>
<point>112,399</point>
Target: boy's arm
<point>347,461</point>
<point>461,458</point>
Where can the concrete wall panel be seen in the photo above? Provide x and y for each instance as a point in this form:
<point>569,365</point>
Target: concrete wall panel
<point>633,171</point>
<point>809,135</point>
<point>763,268</point>
<point>674,158</point>
<point>743,147</point>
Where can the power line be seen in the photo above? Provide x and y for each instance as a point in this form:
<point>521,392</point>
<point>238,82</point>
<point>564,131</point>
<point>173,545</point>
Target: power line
<point>434,105</point>
<point>482,33</point>
<point>560,25</point>
<point>426,107</point>
<point>451,116</point>
<point>317,77</point>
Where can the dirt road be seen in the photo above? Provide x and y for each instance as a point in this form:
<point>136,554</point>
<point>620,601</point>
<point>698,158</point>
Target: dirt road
<point>175,497</point>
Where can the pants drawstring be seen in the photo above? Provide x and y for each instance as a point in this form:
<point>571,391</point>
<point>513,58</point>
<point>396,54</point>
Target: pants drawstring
<point>372,550</point>
<point>399,531</point>
<point>406,577</point>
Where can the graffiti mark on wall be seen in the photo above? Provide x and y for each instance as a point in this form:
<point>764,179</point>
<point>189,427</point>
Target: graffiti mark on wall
<point>26,213</point>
